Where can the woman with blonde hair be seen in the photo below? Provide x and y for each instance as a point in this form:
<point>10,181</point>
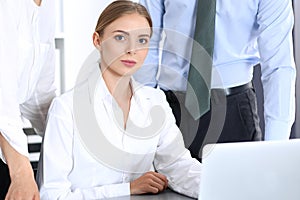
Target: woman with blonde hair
<point>110,136</point>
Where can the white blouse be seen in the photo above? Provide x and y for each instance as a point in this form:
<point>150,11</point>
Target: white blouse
<point>27,67</point>
<point>90,155</point>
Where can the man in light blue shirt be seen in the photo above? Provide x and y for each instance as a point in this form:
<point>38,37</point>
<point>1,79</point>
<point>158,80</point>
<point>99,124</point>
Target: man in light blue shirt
<point>247,33</point>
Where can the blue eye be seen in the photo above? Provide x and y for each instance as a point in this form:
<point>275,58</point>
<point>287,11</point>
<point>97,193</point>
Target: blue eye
<point>143,41</point>
<point>119,37</point>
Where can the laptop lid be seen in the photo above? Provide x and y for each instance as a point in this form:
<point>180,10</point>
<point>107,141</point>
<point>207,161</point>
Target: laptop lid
<point>251,171</point>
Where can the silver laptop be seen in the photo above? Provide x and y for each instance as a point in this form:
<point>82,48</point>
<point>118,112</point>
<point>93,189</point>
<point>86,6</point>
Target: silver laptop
<point>251,171</point>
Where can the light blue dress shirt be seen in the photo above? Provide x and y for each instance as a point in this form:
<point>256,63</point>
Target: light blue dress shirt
<point>247,32</point>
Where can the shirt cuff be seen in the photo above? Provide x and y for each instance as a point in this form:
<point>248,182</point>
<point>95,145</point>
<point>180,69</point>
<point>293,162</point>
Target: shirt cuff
<point>277,131</point>
<point>117,190</point>
<point>15,136</point>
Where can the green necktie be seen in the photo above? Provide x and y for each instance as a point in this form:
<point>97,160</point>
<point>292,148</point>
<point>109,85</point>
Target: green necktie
<point>197,99</point>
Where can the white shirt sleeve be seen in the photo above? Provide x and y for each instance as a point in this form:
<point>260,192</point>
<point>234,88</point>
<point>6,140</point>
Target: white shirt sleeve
<point>57,161</point>
<point>275,19</point>
<point>174,160</point>
<point>10,121</point>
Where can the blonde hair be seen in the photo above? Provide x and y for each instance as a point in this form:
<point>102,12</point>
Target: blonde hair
<point>118,9</point>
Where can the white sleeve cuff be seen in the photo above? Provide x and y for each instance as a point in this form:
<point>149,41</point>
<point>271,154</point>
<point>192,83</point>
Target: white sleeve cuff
<point>15,136</point>
<point>116,190</point>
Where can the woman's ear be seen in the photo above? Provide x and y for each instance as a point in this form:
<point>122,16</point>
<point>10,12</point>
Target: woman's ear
<point>97,41</point>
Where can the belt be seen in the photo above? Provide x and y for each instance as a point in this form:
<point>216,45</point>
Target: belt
<point>227,91</point>
<point>238,89</point>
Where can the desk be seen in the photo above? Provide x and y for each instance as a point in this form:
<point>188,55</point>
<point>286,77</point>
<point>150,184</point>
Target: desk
<point>166,195</point>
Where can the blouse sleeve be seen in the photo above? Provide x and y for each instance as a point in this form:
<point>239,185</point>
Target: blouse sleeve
<point>10,121</point>
<point>56,162</point>
<point>174,161</point>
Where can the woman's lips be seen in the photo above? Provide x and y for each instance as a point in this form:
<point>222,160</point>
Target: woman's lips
<point>128,63</point>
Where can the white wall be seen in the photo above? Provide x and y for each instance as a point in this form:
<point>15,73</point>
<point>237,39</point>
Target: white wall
<point>80,18</point>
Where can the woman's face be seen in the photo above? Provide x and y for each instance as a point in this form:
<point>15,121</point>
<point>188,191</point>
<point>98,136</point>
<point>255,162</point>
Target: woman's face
<point>124,45</point>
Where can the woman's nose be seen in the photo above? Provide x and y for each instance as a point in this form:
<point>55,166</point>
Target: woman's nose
<point>131,49</point>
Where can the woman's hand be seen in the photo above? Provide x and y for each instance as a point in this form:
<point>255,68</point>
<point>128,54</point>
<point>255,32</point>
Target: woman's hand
<point>23,186</point>
<point>150,182</point>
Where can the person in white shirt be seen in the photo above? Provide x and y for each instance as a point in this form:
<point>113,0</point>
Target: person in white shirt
<point>26,88</point>
<point>110,136</point>
<point>244,36</point>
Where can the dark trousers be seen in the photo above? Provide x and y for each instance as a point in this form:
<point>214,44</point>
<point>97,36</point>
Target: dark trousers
<point>232,118</point>
<point>4,179</point>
